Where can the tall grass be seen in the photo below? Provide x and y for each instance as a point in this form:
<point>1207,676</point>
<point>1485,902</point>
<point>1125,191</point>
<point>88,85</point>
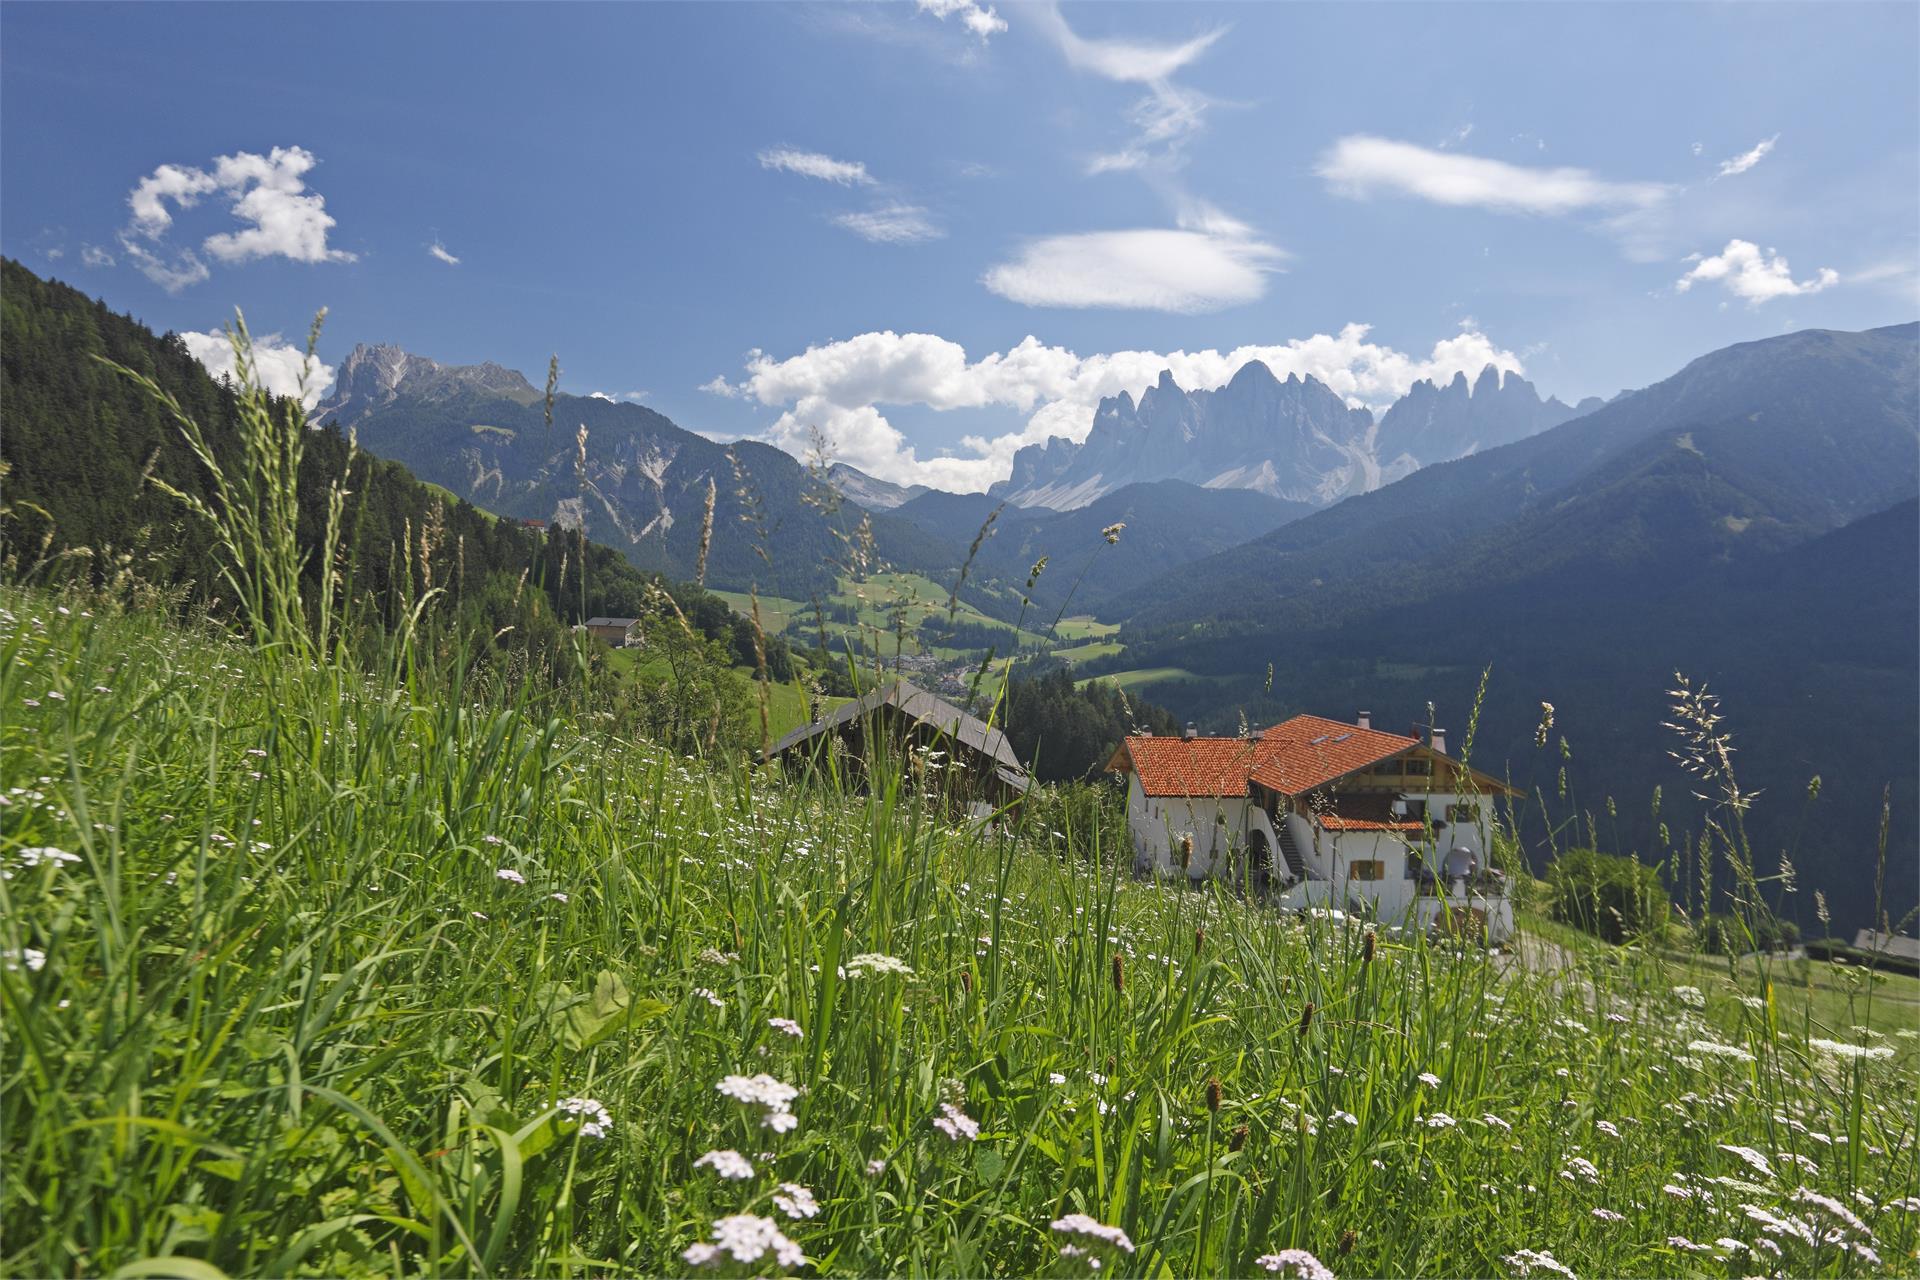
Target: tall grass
<point>318,970</point>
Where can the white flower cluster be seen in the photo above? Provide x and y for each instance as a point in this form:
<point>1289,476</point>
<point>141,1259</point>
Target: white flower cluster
<point>745,1238</point>
<point>1754,1160</point>
<point>956,1124</point>
<point>1714,1048</point>
<point>786,1025</point>
<point>874,963</point>
<point>39,855</point>
<point>1527,1261</point>
<point>1692,997</point>
<point>32,958</point>
<point>595,1120</point>
<point>1843,1050</point>
<point>796,1201</point>
<point>1080,1224</point>
<point>1297,1263</point>
<point>730,1165</point>
<point>773,1097</point>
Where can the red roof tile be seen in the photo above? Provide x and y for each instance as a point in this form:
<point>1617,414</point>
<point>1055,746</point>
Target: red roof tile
<point>1305,752</point>
<point>1364,812</point>
<point>1188,766</point>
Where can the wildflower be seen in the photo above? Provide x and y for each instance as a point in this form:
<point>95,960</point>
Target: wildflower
<point>1527,1261</point>
<point>510,876</point>
<point>1805,1195</point>
<point>870,964</point>
<point>730,1165</point>
<point>1608,1215</point>
<point>956,1124</point>
<point>745,1238</point>
<point>1840,1049</point>
<point>478,915</point>
<point>1344,1117</point>
<point>1713,1048</point>
<point>795,1201</point>
<point>712,999</point>
<point>1297,1263</point>
<point>31,958</point>
<point>1582,1168</point>
<point>1781,1224</point>
<point>1755,1161</point>
<point>876,1167</point>
<point>492,840</point>
<point>787,1025</point>
<point>1440,1120</point>
<point>40,854</point>
<point>1728,1245</point>
<point>1429,1079</point>
<point>558,897</point>
<point>774,1097</point>
<point>1079,1224</point>
<point>1686,1245</point>
<point>1607,1127</point>
<point>1054,1077</point>
<point>595,1120</point>
<point>1495,1122</point>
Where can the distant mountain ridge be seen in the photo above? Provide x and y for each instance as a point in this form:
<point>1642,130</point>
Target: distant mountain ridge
<point>1295,440</point>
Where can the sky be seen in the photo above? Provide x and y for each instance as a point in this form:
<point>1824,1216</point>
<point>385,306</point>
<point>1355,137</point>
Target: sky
<point>926,233</point>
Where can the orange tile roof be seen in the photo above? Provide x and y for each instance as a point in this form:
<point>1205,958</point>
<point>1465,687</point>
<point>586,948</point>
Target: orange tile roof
<point>1310,751</point>
<point>1188,766</point>
<point>1364,813</point>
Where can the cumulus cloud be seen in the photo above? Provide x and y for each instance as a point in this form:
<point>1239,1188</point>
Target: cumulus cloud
<point>267,192</point>
<point>839,388</point>
<point>441,252</point>
<point>891,224</point>
<point>618,397</point>
<point>94,256</point>
<point>1360,166</point>
<point>982,22</point>
<point>1757,275</point>
<point>276,363</point>
<point>1747,159</point>
<point>812,164</point>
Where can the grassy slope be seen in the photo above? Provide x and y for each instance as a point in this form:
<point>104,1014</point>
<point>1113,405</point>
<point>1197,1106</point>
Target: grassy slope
<point>285,1014</point>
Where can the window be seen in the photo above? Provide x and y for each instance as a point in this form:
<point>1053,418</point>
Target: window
<point>1366,870</point>
<point>1416,768</point>
<point>1467,813</point>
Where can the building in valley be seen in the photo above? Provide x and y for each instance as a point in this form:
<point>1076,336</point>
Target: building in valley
<point>618,632</point>
<point>1319,813</point>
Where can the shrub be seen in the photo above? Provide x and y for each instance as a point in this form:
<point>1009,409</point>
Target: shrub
<point>1608,895</point>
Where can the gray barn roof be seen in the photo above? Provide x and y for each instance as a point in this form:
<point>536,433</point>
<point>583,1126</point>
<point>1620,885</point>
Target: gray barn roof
<point>918,704</point>
<point>611,622</point>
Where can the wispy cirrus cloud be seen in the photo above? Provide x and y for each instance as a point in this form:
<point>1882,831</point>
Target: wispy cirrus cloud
<point>1754,274</point>
<point>891,224</point>
<point>440,251</point>
<point>1747,159</point>
<point>814,164</point>
<point>1361,166</point>
<point>981,20</point>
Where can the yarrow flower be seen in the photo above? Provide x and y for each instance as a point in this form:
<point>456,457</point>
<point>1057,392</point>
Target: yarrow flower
<point>787,1025</point>
<point>1429,1079</point>
<point>39,855</point>
<point>1840,1049</point>
<point>730,1165</point>
<point>31,958</point>
<point>595,1120</point>
<point>1755,1161</point>
<point>745,1238</point>
<point>1608,1215</point>
<point>1079,1226</point>
<point>1297,1263</point>
<point>1495,1122</point>
<point>510,876</point>
<point>873,963</point>
<point>774,1097</point>
<point>956,1124</point>
<point>1691,997</point>
<point>1715,1049</point>
<point>796,1201</point>
<point>1440,1120</point>
<point>1527,1261</point>
<point>1580,1167</point>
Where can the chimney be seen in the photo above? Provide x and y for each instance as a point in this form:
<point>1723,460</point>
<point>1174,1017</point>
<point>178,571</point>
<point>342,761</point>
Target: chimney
<point>1190,732</point>
<point>1440,741</point>
<point>1366,720</point>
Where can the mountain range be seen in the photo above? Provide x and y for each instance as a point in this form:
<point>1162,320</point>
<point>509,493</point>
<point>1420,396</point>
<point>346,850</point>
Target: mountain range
<point>1295,440</point>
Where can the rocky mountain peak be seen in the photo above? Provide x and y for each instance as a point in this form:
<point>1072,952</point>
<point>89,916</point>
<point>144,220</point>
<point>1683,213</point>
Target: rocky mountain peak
<point>376,375</point>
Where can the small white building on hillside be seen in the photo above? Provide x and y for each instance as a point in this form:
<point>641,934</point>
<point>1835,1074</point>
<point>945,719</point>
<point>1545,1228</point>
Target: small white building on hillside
<point>1317,812</point>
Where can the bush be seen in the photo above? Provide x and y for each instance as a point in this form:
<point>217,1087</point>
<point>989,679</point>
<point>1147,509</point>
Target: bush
<point>1726,935</point>
<point>1607,895</point>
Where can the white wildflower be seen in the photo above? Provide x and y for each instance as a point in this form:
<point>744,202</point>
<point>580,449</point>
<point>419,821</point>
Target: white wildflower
<point>1691,997</point>
<point>1079,1224</point>
<point>510,876</point>
<point>795,1201</point>
<point>1527,1261</point>
<point>31,958</point>
<point>1754,1160</point>
<point>595,1120</point>
<point>1440,1120</point>
<point>1429,1079</point>
<point>786,1025</point>
<point>1840,1049</point>
<point>1608,1215</point>
<point>956,1124</point>
<point>1713,1048</point>
<point>1297,1263</point>
<point>873,963</point>
<point>746,1238</point>
<point>730,1165</point>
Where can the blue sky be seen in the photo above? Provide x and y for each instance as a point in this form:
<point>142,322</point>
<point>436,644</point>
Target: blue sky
<point>935,231</point>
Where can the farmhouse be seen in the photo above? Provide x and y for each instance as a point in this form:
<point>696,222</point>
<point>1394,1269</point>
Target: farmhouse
<point>896,725</point>
<point>1322,813</point>
<point>618,632</point>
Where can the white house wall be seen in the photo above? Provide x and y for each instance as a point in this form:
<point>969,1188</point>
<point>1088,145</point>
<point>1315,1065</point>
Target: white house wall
<point>1159,822</point>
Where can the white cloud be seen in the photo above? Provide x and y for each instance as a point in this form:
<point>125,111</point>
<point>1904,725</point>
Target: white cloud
<point>276,363</point>
<point>1209,262</point>
<point>1756,275</point>
<point>1139,62</point>
<point>1747,159</point>
<point>981,22</point>
<point>1360,166</point>
<point>812,164</point>
<point>839,388</point>
<point>94,256</point>
<point>268,192</point>
<point>441,252</point>
<point>1167,116</point>
<point>891,224</point>
<point>618,397</point>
